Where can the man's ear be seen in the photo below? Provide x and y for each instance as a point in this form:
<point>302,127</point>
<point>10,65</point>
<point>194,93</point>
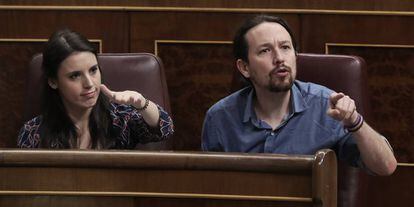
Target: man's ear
<point>243,68</point>
<point>52,83</point>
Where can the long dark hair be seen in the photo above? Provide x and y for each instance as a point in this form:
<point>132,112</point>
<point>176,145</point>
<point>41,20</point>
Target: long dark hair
<point>57,130</point>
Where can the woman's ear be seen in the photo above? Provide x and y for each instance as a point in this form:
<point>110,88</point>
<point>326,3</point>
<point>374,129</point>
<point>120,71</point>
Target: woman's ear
<point>243,68</point>
<point>52,83</point>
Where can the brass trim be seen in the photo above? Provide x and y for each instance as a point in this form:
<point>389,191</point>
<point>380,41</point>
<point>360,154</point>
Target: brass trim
<point>364,45</point>
<point>404,164</point>
<point>207,9</point>
<point>22,40</point>
<point>155,194</point>
<point>156,42</point>
<point>99,41</point>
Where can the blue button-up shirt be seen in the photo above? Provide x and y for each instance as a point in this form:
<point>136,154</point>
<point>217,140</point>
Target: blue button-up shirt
<point>231,125</point>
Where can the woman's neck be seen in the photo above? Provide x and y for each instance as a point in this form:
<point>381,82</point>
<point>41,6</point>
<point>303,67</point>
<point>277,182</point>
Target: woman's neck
<point>80,119</point>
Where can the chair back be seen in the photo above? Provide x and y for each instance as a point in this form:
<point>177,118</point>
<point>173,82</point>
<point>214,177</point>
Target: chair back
<point>142,72</point>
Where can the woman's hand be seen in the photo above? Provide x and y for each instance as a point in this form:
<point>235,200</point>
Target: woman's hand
<point>149,110</point>
<point>124,97</point>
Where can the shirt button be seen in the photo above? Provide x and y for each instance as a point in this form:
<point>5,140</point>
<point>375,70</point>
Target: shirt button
<point>272,133</point>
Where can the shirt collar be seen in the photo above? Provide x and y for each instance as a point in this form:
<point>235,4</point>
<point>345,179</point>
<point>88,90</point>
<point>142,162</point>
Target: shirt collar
<point>297,101</point>
<point>249,110</point>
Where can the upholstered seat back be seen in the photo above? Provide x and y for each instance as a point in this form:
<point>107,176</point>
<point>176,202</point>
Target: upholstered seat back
<point>341,73</point>
<point>142,72</point>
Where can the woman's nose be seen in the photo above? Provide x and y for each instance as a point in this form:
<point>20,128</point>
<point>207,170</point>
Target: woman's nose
<point>87,82</point>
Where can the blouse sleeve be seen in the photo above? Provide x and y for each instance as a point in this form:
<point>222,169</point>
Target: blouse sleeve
<point>146,133</point>
<point>137,130</point>
<point>29,136</point>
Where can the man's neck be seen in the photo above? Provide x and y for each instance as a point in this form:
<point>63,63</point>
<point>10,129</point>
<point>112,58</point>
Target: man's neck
<point>272,107</point>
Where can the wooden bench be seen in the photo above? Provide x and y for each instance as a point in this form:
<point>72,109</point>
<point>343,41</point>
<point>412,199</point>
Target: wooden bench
<point>135,178</point>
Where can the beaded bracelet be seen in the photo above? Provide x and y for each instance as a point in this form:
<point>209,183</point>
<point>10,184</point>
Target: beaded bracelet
<point>145,105</point>
<point>357,125</point>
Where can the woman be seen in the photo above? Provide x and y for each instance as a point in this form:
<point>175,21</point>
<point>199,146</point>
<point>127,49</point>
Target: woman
<point>79,112</point>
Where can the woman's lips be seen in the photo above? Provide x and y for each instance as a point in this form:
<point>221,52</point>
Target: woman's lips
<point>90,94</point>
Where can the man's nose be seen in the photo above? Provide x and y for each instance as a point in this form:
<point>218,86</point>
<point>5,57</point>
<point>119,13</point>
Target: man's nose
<point>277,57</point>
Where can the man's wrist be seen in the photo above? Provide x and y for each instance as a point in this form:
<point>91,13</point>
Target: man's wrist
<point>356,125</point>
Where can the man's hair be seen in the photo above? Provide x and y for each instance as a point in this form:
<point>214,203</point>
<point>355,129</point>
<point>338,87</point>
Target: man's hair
<point>240,45</point>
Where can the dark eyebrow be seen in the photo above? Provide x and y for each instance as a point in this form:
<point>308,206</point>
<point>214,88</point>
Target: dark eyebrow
<point>73,73</point>
<point>264,45</point>
<point>286,41</point>
<point>94,66</point>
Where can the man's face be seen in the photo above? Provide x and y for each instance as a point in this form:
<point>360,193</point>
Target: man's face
<point>272,58</point>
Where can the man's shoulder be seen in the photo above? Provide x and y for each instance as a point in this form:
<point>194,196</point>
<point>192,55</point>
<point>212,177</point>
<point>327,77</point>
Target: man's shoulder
<point>231,102</point>
<point>313,90</point>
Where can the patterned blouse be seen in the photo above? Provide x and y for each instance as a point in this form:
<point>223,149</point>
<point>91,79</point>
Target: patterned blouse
<point>128,128</point>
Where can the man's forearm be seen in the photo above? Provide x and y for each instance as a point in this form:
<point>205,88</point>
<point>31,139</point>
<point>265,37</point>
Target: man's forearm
<point>375,151</point>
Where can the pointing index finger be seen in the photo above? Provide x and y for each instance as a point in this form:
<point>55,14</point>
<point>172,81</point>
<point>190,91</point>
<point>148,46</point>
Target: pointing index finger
<point>334,98</point>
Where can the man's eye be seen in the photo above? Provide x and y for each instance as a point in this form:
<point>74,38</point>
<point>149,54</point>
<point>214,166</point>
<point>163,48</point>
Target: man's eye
<point>265,50</point>
<point>285,47</point>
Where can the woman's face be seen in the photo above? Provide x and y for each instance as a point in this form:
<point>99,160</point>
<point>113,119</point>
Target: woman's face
<point>78,81</point>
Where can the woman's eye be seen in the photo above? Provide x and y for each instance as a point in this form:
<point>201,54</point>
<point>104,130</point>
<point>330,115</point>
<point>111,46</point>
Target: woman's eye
<point>74,76</point>
<point>94,70</point>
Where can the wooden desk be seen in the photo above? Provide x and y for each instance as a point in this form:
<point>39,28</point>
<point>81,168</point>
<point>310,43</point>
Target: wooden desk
<point>134,178</point>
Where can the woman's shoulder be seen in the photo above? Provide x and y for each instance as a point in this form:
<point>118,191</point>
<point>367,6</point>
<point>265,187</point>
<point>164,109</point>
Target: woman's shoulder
<point>33,123</point>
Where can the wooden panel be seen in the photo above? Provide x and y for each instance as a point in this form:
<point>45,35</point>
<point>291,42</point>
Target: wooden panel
<point>197,75</point>
<point>264,178</point>
<point>203,26</point>
<point>91,201</point>
<point>110,27</point>
<point>391,83</point>
<point>394,190</point>
<point>376,5</point>
<point>317,30</point>
<point>14,60</point>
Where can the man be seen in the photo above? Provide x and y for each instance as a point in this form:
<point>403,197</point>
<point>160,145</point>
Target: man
<point>279,114</point>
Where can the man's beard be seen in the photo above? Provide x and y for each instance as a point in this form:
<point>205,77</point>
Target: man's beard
<point>277,85</point>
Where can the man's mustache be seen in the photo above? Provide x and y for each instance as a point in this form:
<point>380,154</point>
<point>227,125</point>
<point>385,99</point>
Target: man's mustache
<point>282,68</point>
